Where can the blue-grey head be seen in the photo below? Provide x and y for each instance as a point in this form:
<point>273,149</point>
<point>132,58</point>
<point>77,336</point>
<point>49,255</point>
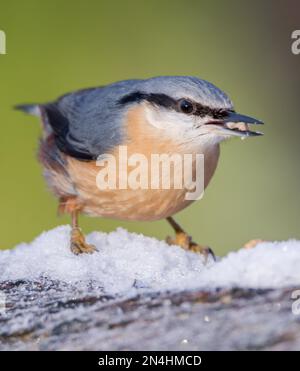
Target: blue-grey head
<point>189,108</point>
<point>89,122</point>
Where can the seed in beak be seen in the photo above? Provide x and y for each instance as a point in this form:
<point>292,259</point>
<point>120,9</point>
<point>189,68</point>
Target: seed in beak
<point>242,126</point>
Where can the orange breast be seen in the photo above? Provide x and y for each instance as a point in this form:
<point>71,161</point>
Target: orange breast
<point>134,204</point>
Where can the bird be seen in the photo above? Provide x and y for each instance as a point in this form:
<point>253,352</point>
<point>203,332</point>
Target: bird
<point>158,115</point>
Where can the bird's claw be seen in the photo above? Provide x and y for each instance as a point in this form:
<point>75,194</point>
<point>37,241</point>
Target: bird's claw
<point>206,251</point>
<point>78,244</point>
<point>185,241</point>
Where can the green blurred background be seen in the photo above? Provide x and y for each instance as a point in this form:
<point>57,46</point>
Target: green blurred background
<point>243,47</point>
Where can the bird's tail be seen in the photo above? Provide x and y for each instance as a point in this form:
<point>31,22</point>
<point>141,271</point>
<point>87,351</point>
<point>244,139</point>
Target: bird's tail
<point>31,109</point>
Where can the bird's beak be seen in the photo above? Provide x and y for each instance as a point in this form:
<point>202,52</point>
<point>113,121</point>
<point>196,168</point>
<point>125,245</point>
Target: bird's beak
<point>237,125</point>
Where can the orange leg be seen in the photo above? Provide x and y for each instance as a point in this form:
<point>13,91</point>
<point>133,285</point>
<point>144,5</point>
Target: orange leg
<point>78,244</point>
<point>183,240</point>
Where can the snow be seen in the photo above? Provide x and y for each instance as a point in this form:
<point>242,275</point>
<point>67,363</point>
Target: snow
<point>128,262</point>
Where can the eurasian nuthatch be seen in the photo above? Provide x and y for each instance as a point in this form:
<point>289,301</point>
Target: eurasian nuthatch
<point>171,114</point>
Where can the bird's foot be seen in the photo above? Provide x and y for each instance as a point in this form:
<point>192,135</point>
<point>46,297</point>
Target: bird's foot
<point>183,240</point>
<point>78,244</point>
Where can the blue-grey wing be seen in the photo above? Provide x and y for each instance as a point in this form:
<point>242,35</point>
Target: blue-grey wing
<point>85,124</point>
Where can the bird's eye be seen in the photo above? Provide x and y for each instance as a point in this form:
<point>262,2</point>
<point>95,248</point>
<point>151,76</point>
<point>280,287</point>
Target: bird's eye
<point>186,106</point>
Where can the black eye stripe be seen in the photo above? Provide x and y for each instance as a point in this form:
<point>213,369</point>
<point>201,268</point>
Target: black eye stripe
<point>213,112</point>
<point>158,99</point>
<point>166,101</point>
